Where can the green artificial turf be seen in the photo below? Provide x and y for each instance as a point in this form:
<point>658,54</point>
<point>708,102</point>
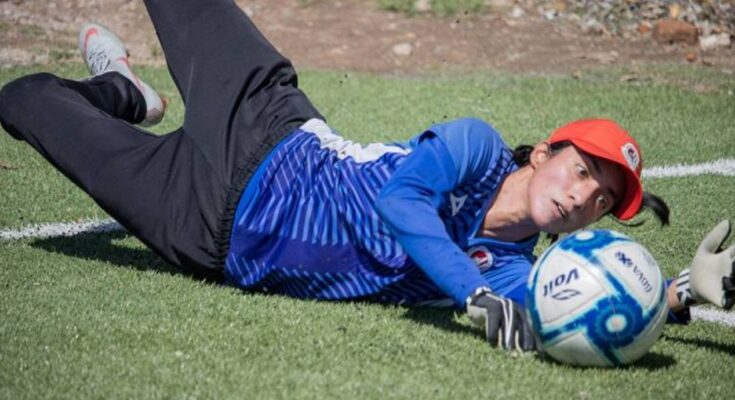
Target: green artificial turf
<point>100,316</point>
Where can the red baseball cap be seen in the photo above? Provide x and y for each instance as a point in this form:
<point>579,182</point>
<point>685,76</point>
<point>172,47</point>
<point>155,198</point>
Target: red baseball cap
<point>606,139</point>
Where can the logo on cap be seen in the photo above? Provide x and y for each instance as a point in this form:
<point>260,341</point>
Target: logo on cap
<point>481,256</point>
<point>630,153</point>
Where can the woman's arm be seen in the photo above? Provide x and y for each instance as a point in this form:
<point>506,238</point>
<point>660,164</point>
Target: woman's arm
<point>409,204</point>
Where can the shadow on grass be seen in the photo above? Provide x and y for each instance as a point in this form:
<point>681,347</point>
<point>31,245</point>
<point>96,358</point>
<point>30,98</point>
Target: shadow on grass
<point>100,247</point>
<point>703,343</point>
<point>442,318</point>
<point>650,361</point>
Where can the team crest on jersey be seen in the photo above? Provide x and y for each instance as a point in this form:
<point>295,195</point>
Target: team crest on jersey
<point>630,153</point>
<point>482,257</point>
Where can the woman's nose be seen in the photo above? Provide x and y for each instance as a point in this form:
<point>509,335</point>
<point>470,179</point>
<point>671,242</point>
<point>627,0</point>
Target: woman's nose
<point>582,192</point>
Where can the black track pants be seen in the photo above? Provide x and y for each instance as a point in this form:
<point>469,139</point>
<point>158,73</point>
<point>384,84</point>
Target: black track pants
<point>177,192</point>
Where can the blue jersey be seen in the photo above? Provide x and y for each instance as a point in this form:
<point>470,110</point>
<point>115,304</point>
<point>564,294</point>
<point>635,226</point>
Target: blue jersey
<point>327,218</point>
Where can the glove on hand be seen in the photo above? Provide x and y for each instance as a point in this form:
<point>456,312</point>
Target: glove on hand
<point>712,274</point>
<point>503,319</point>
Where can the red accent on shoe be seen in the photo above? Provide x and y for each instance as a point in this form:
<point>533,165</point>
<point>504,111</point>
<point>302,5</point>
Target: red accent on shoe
<point>92,31</point>
<point>124,60</point>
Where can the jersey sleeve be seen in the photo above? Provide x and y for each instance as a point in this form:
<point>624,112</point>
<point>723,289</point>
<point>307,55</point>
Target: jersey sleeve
<point>443,158</point>
<point>509,275</point>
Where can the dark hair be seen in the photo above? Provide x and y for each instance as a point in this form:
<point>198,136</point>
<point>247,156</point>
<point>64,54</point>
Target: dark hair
<point>522,153</point>
<point>522,157</point>
<point>657,205</point>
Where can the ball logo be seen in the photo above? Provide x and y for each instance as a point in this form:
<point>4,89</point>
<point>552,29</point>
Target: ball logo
<point>630,153</point>
<point>482,257</point>
<point>551,288</point>
<point>638,272</point>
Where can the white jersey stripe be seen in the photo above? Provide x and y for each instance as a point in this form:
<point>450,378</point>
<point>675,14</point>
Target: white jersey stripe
<point>346,148</point>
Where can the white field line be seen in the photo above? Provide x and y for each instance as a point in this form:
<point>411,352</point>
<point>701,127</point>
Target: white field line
<point>724,166</point>
<point>43,231</point>
<point>712,315</point>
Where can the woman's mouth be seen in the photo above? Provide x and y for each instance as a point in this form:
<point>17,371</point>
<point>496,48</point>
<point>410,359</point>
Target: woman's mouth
<point>560,209</point>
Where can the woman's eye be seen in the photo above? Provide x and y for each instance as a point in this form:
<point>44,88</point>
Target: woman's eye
<point>582,171</point>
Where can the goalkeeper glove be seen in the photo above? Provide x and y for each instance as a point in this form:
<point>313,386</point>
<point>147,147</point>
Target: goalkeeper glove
<point>711,277</point>
<point>504,320</point>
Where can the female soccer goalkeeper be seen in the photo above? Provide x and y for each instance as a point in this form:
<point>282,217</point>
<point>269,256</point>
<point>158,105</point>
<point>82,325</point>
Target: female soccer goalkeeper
<point>257,187</point>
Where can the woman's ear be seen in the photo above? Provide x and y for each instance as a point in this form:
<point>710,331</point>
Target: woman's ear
<point>540,154</point>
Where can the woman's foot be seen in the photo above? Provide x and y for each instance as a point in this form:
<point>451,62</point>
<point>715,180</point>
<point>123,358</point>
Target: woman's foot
<point>103,52</point>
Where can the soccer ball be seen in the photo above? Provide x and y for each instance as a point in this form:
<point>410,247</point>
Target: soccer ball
<point>596,298</point>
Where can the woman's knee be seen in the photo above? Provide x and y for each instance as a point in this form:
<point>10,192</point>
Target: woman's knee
<point>22,99</point>
<point>26,86</point>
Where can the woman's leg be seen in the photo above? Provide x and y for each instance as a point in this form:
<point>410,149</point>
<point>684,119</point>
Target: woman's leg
<point>241,95</point>
<point>238,90</point>
<point>157,187</point>
<point>177,193</point>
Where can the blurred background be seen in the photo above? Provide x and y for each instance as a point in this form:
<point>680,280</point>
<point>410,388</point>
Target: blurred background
<point>414,36</point>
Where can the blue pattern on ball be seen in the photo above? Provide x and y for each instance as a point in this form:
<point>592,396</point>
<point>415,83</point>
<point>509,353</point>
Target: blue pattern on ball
<point>594,321</point>
<point>587,247</point>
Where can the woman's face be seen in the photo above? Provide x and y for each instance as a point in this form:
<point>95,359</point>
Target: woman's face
<point>571,189</point>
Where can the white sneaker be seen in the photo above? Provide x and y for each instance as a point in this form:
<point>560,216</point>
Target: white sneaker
<point>103,52</point>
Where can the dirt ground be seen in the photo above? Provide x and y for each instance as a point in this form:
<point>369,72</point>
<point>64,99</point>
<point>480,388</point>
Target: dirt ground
<point>355,35</point>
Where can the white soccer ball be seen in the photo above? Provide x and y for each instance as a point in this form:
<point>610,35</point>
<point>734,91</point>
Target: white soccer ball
<point>596,298</point>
